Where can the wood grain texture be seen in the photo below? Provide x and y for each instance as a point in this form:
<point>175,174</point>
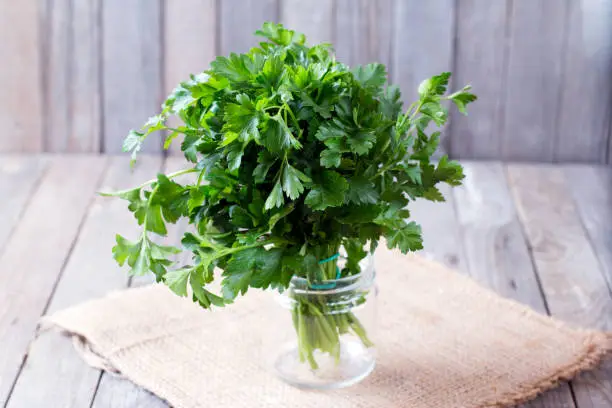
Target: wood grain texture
<point>422,42</point>
<point>116,392</point>
<point>591,188</point>
<point>584,116</point>
<point>480,60</point>
<point>35,255</point>
<point>441,234</point>
<point>131,69</point>
<point>189,43</point>
<point>72,89</point>
<point>19,176</point>
<point>363,31</point>
<point>567,266</point>
<point>20,79</point>
<point>535,74</point>
<point>496,251</point>
<point>491,233</point>
<point>313,18</point>
<point>83,279</point>
<point>239,19</point>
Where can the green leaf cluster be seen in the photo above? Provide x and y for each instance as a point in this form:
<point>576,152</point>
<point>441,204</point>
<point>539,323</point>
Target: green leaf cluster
<point>295,155</point>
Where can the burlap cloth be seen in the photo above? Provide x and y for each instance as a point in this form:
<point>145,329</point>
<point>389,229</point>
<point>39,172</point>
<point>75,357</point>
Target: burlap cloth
<point>443,341</point>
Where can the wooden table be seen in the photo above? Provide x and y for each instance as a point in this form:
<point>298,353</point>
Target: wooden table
<point>538,234</point>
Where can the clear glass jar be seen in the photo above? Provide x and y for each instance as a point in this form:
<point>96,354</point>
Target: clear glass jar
<point>327,339</point>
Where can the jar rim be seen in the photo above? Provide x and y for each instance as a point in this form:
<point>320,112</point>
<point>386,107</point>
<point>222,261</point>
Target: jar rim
<point>300,285</point>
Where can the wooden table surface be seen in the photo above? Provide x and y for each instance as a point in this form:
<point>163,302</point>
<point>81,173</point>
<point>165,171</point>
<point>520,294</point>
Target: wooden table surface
<point>539,234</point>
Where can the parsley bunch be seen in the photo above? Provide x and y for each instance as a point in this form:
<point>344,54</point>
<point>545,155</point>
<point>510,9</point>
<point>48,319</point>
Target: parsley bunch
<point>296,155</point>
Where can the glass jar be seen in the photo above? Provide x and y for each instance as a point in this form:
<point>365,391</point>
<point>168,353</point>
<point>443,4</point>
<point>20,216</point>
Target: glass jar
<point>327,339</point>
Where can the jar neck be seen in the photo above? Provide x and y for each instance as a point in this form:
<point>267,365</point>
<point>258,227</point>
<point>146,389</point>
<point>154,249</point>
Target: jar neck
<point>362,280</point>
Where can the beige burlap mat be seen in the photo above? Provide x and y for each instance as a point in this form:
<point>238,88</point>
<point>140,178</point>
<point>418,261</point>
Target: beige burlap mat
<point>443,341</point>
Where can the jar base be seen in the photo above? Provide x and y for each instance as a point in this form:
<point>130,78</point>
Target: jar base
<point>356,362</point>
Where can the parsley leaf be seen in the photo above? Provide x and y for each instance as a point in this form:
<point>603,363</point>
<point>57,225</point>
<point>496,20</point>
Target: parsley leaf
<point>292,181</point>
<point>275,199</point>
<point>362,191</point>
<point>327,191</point>
<point>371,76</point>
<point>406,238</point>
<point>278,137</point>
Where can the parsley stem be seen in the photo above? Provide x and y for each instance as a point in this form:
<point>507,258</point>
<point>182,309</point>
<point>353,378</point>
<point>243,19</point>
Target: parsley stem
<point>146,183</point>
<point>288,109</point>
<point>144,222</point>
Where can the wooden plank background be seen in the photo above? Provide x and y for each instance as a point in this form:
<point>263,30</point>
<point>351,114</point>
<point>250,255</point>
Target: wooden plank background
<point>78,74</point>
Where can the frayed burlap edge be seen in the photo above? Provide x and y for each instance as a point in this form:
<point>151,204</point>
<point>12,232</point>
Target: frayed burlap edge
<point>596,349</point>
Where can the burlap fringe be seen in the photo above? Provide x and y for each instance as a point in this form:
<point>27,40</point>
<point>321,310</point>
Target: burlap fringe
<point>597,348</point>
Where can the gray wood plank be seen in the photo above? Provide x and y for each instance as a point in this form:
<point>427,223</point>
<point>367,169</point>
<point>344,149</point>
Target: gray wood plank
<point>533,90</point>
<point>441,233</point>
<point>591,189</point>
<point>19,176</point>
<point>363,31</point>
<point>59,376</point>
<point>584,121</point>
<point>34,257</point>
<point>567,266</point>
<point>20,80</point>
<point>238,21</point>
<point>313,18</point>
<point>131,69</point>
<point>124,394</point>
<point>422,45</point>
<point>481,56</point>
<point>422,42</point>
<point>189,43</point>
<point>496,251</point>
<point>72,108</point>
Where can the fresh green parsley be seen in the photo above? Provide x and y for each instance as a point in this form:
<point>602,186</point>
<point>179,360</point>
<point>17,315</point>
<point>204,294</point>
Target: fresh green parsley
<point>295,154</point>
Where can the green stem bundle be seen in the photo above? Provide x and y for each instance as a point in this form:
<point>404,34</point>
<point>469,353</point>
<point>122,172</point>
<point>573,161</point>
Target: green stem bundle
<point>321,319</point>
<point>318,328</point>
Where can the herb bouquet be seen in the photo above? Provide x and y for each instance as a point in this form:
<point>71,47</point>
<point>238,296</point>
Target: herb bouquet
<point>301,165</point>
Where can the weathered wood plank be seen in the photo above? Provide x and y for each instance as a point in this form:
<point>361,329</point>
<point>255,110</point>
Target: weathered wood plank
<point>481,56</point>
<point>441,233</point>
<point>131,69</point>
<point>20,81</point>
<point>421,29</point>
<point>533,90</point>
<point>584,116</point>
<point>58,374</point>
<point>591,188</point>
<point>124,394</point>
<point>422,45</point>
<point>491,234</point>
<point>189,43</point>
<point>239,19</point>
<point>363,31</point>
<point>19,176</point>
<point>72,115</point>
<point>496,251</point>
<point>313,18</point>
<point>34,256</point>
<point>567,266</point>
